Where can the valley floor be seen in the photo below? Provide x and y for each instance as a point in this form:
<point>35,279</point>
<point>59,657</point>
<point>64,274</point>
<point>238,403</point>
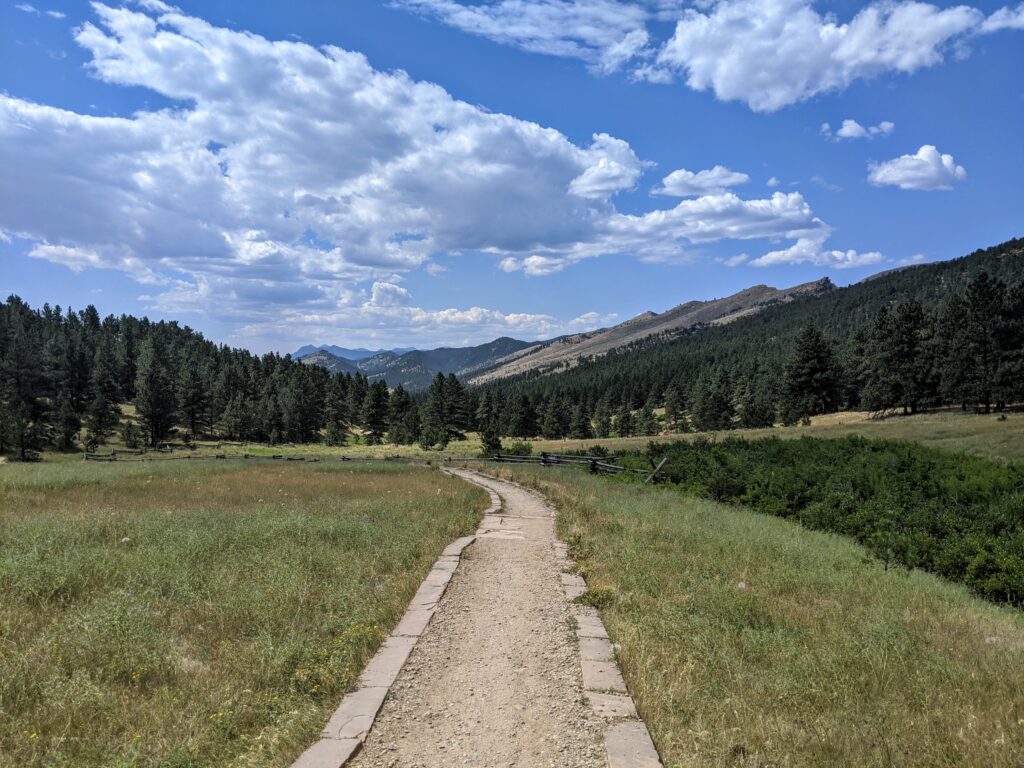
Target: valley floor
<point>990,436</point>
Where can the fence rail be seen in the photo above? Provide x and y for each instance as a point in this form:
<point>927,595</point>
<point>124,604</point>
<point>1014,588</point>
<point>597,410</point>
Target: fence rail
<point>596,464</point>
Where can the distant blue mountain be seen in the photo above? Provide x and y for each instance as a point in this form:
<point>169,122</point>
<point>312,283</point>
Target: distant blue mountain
<point>348,354</point>
<point>413,368</point>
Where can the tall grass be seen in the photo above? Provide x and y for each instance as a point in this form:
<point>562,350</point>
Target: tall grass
<point>181,616</point>
<point>748,640</point>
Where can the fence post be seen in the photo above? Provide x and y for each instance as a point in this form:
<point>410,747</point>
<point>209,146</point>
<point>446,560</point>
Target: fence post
<point>656,469</point>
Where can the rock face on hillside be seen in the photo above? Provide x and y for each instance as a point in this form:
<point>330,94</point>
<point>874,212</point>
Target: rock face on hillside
<point>564,351</point>
<point>505,356</point>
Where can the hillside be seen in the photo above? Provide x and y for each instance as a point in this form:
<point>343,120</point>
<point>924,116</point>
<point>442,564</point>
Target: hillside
<point>755,346</point>
<point>505,357</point>
<point>665,325</point>
<point>331,362</point>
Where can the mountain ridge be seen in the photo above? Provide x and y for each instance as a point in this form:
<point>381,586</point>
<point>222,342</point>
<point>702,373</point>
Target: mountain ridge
<point>505,356</point>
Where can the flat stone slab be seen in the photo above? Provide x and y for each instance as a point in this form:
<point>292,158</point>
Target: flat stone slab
<point>629,745</point>
<point>427,595</point>
<point>387,662</point>
<point>573,580</point>
<point>447,564</point>
<point>602,676</point>
<point>359,704</point>
<point>455,548</point>
<point>414,622</point>
<point>612,705</point>
<point>328,753</point>
<point>596,649</point>
<point>437,578</point>
<point>590,626</point>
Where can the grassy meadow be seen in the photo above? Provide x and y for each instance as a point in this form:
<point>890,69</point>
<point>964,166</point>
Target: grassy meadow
<point>196,614</point>
<point>748,640</point>
<point>981,435</point>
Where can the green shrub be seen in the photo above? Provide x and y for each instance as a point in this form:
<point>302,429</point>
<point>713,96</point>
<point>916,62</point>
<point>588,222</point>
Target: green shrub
<point>955,515</point>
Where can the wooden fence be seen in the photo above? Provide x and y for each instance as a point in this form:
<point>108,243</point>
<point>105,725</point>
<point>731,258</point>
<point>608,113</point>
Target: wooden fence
<point>597,465</point>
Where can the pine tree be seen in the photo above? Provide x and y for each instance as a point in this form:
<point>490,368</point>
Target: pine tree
<point>712,398</point>
<point>193,395</point>
<point>67,424</point>
<point>624,422</point>
<point>357,396</point>
<point>399,406</point>
<point>456,407</point>
<point>602,420</point>
<point>580,427</point>
<point>812,377</point>
<point>434,417</point>
<point>154,396</point>
<point>1010,373</point>
<point>675,405</point>
<point>336,415</point>
<point>983,300</point>
<point>555,423</point>
<point>375,412</point>
<point>647,421</point>
<point>490,440</point>
<point>522,418</point>
<point>104,412</point>
<point>756,403</point>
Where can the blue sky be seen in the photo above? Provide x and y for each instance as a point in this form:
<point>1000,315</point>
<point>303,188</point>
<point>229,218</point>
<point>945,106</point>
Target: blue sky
<point>425,172</point>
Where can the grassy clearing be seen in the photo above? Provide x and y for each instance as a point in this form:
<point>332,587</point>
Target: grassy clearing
<point>750,641</point>
<point>183,615</point>
<point>982,435</point>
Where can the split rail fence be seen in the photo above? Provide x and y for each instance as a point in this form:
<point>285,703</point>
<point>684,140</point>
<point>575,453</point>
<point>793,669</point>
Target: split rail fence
<point>597,465</point>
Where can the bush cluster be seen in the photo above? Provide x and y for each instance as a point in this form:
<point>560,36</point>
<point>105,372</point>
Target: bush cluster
<point>958,516</point>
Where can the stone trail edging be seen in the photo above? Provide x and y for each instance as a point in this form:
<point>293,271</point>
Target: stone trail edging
<point>628,743</point>
<point>348,727</point>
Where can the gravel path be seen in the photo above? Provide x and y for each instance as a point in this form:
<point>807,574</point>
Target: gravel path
<point>495,680</point>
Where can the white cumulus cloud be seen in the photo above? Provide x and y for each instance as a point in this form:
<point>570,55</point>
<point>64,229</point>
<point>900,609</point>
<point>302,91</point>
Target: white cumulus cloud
<point>1004,18</point>
<point>928,169</point>
<point>772,53</point>
<point>809,250</point>
<point>851,129</point>
<point>389,295</point>
<point>684,183</point>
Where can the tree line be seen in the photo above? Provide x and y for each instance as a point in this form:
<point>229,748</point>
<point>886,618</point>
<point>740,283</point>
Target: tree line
<point>65,377</point>
<point>905,340</point>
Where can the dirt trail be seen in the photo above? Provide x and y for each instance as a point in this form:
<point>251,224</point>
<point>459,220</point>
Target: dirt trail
<point>495,680</point>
